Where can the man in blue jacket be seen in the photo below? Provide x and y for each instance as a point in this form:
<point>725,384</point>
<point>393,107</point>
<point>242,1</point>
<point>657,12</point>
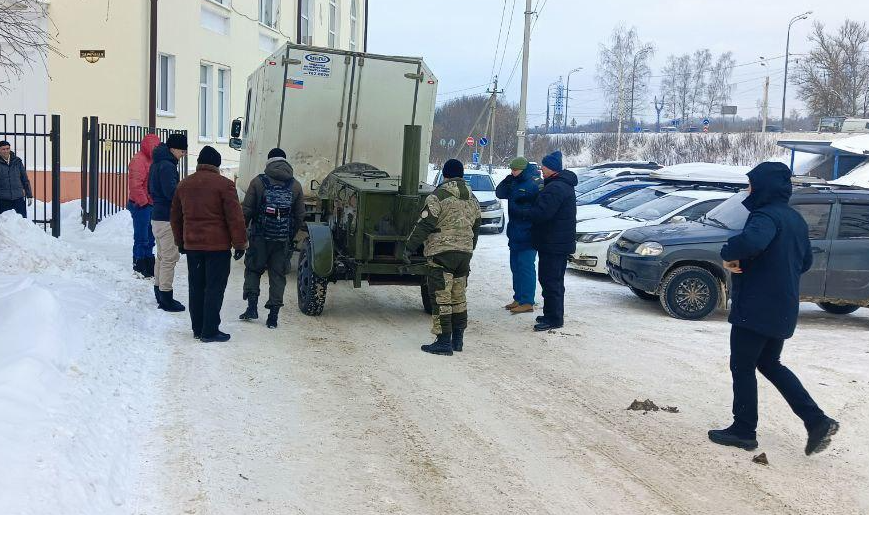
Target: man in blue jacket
<point>163,179</point>
<point>767,260</point>
<point>14,185</point>
<point>553,234</point>
<point>520,189</point>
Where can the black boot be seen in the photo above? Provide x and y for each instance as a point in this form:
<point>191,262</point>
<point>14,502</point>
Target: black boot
<point>158,297</point>
<point>442,346</point>
<point>458,339</point>
<point>819,436</point>
<point>169,304</point>
<point>148,267</point>
<point>728,437</point>
<point>251,312</point>
<point>218,337</point>
<point>139,267</point>
<point>272,321</point>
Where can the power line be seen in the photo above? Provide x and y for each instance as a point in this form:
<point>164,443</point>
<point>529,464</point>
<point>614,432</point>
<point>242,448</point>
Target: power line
<point>498,41</point>
<point>533,26</point>
<point>507,39</point>
<point>464,89</point>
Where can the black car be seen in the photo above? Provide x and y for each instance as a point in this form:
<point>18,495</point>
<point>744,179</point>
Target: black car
<point>680,265</point>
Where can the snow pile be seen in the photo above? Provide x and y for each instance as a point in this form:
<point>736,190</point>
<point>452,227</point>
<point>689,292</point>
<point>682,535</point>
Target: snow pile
<point>858,177</point>
<point>77,369</point>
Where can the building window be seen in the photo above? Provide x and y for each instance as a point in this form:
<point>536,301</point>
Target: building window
<point>222,104</point>
<point>267,13</point>
<point>333,24</point>
<point>305,16</point>
<point>354,6</point>
<point>205,102</point>
<point>166,84</point>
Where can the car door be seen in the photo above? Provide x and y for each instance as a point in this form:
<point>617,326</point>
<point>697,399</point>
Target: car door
<point>848,266</point>
<point>817,216</point>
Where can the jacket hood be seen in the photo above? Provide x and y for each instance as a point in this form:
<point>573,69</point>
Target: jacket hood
<point>566,176</point>
<point>162,153</point>
<point>531,173</point>
<point>770,183</point>
<point>150,142</point>
<point>280,169</point>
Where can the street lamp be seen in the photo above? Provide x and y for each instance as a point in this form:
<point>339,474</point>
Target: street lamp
<point>567,99</point>
<point>784,94</point>
<point>547,104</point>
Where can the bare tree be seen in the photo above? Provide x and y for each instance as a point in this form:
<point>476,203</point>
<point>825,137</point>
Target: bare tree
<point>701,65</point>
<point>623,71</point>
<point>833,78</point>
<point>24,39</point>
<point>717,91</point>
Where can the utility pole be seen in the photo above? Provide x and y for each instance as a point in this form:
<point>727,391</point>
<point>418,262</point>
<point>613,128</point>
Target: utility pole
<point>523,97</point>
<point>490,131</point>
<point>765,104</point>
<point>567,96</point>
<point>658,110</point>
<point>152,64</point>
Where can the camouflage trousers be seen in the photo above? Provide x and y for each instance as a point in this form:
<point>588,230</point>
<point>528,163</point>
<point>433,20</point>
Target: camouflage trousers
<point>447,283</point>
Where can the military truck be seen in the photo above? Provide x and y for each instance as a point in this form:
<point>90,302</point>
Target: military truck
<point>357,129</point>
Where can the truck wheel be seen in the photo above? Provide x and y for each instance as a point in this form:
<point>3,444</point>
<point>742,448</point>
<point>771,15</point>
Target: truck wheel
<point>840,309</point>
<point>311,288</point>
<point>689,292</point>
<point>643,295</point>
<point>426,299</point>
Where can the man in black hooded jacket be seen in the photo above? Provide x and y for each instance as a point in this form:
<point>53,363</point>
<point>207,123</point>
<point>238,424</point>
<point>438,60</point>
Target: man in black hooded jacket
<point>767,260</point>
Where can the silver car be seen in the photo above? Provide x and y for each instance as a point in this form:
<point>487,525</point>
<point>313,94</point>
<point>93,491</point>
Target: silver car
<point>483,187</point>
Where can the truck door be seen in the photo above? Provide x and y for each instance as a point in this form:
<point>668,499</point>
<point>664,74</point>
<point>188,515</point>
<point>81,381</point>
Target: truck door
<point>848,272</point>
<point>817,216</point>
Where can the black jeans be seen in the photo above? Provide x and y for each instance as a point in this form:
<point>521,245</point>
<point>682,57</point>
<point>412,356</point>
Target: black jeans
<point>749,351</point>
<point>550,273</point>
<point>19,206</point>
<point>208,273</point>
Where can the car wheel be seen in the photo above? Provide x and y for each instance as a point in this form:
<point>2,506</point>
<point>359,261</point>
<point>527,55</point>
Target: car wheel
<point>643,295</point>
<point>840,309</point>
<point>426,298</point>
<point>310,287</point>
<point>690,292</point>
<point>501,227</point>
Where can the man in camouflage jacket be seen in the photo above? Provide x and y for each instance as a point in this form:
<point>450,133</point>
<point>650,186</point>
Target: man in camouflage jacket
<point>448,227</point>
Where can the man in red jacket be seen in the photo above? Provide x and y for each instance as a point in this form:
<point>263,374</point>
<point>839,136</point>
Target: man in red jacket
<point>207,221</point>
<point>139,205</point>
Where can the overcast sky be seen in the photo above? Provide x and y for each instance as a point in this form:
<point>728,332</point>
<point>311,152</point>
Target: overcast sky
<point>457,38</point>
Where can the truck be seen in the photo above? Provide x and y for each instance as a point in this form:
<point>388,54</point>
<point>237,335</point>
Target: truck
<point>357,129</point>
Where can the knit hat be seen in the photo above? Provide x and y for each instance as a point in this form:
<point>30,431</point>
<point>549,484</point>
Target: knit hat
<point>453,169</point>
<point>208,155</point>
<point>177,141</point>
<point>553,161</point>
<point>4,143</point>
<point>519,163</point>
<point>277,152</point>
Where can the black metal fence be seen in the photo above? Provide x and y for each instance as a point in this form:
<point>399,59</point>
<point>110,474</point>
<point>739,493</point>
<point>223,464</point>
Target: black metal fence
<point>35,138</point>
<point>105,156</point>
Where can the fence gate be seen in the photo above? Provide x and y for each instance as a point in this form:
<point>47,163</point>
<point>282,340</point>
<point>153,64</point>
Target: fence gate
<point>37,143</point>
<point>106,151</point>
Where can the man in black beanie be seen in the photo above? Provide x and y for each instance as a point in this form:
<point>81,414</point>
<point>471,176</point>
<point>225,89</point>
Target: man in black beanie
<point>163,179</point>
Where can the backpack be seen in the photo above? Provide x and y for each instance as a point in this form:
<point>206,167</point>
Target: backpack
<point>275,215</point>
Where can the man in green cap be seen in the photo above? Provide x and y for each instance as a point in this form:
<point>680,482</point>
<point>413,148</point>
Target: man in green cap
<point>520,189</point>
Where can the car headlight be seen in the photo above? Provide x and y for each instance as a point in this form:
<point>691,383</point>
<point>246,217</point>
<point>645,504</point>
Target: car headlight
<point>597,237</point>
<point>649,248</point>
<point>494,207</point>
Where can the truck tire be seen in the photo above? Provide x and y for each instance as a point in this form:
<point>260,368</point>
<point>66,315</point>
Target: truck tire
<point>311,288</point>
<point>646,296</point>
<point>839,309</point>
<point>690,292</point>
<point>426,299</point>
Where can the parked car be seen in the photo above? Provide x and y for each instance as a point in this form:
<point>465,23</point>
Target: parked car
<point>593,237</point>
<point>680,265</point>
<point>855,125</point>
<point>613,191</point>
<point>626,203</point>
<point>593,179</point>
<point>483,187</point>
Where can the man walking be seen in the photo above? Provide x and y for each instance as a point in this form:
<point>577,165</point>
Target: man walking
<point>553,233</point>
<point>520,190</point>
<point>14,185</point>
<point>162,181</point>
<point>766,261</point>
<point>206,222</point>
<point>139,204</point>
<point>448,226</point>
<point>274,209</point>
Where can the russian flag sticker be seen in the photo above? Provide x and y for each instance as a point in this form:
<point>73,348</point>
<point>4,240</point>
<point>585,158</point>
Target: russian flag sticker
<point>295,84</point>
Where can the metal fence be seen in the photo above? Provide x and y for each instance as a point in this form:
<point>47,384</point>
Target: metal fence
<point>105,156</point>
<point>35,138</point>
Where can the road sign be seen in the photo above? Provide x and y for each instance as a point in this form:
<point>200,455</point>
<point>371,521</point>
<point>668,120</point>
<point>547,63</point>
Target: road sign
<point>443,142</point>
<point>484,142</point>
<point>706,129</point>
<point>451,143</point>
<point>675,122</point>
<point>470,141</point>
<point>638,129</point>
<point>475,158</point>
<point>705,121</point>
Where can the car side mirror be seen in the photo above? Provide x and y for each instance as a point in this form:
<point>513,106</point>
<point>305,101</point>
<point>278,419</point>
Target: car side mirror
<point>235,129</point>
<point>679,219</point>
<point>235,143</point>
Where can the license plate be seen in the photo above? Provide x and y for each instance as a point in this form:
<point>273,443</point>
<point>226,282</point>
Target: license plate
<point>614,258</point>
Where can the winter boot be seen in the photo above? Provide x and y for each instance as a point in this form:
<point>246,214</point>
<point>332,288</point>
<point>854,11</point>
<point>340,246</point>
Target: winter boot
<point>458,339</point>
<point>139,267</point>
<point>819,436</point>
<point>442,346</point>
<point>523,309</point>
<point>218,337</point>
<point>728,437</point>
<point>251,312</point>
<point>158,297</point>
<point>540,319</point>
<point>148,266</point>
<point>272,321</point>
<point>511,305</point>
<point>169,304</point>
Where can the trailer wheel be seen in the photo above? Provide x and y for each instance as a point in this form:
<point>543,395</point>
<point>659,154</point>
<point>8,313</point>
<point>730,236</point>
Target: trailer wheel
<point>311,288</point>
<point>426,298</point>
<point>839,309</point>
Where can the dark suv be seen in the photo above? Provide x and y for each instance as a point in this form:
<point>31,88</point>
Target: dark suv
<point>680,264</point>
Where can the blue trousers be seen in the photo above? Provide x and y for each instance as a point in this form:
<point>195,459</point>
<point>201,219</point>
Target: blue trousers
<point>143,237</point>
<point>524,275</point>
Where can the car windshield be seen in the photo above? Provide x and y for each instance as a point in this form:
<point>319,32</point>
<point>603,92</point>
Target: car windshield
<point>635,199</point>
<point>589,184</point>
<point>657,208</point>
<point>599,192</point>
<point>480,182</point>
<point>731,214</point>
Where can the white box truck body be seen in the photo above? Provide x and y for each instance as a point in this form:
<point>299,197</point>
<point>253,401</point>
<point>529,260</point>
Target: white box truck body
<point>326,108</point>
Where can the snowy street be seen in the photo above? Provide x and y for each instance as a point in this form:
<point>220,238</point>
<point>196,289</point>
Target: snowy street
<point>119,410</point>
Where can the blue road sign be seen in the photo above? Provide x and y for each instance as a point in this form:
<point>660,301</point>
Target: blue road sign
<point>705,121</point>
<point>484,142</point>
<point>638,129</point>
<point>476,158</point>
<point>676,121</point>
